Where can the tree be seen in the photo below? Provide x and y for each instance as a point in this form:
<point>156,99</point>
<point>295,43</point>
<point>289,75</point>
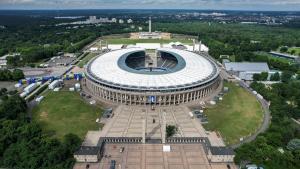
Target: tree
<point>12,107</point>
<point>13,60</point>
<point>283,49</point>
<point>171,130</point>
<point>256,77</point>
<point>17,74</point>
<point>275,77</point>
<point>72,142</point>
<point>286,76</point>
<point>264,76</point>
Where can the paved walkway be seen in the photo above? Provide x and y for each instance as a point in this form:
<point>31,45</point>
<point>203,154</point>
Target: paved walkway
<point>127,122</point>
<point>151,156</point>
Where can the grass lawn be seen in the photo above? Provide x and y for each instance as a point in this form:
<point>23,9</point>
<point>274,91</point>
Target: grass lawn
<point>134,41</point>
<point>238,115</point>
<point>65,112</point>
<point>86,59</point>
<point>296,49</point>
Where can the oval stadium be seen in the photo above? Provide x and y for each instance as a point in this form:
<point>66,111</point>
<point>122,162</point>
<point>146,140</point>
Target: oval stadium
<point>165,76</point>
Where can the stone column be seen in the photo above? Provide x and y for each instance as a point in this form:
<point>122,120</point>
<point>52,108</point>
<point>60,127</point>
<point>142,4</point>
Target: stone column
<point>144,131</point>
<point>174,101</point>
<point>130,99</point>
<point>164,125</point>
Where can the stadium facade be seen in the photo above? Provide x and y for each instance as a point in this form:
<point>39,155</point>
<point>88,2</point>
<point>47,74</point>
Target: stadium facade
<point>165,76</point>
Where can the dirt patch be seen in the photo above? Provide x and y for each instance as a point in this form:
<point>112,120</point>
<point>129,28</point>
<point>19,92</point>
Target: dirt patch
<point>44,115</point>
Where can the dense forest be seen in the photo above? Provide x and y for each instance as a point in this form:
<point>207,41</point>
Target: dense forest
<point>23,143</point>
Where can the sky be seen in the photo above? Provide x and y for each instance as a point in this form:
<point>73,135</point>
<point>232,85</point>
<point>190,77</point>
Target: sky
<point>270,5</point>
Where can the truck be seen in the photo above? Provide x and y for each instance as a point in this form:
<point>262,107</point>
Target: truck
<point>24,94</point>
<point>260,96</point>
<point>54,84</point>
<point>39,99</point>
<point>30,88</point>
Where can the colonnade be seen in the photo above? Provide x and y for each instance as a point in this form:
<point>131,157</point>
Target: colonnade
<point>144,98</point>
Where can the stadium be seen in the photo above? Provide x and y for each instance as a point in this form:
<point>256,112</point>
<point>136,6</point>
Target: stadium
<point>165,76</point>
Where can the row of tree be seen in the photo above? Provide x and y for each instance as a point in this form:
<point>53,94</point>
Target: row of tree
<point>285,76</point>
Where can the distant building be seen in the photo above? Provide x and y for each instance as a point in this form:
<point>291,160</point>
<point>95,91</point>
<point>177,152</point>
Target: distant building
<point>121,21</point>
<point>249,23</point>
<point>92,18</point>
<point>246,70</point>
<point>3,62</point>
<point>114,20</point>
<point>3,59</point>
<point>129,21</point>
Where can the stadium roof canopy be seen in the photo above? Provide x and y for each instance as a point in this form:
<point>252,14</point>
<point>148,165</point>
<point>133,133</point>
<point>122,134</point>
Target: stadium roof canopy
<point>197,70</point>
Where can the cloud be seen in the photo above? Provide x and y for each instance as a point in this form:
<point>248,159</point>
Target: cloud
<point>143,4</point>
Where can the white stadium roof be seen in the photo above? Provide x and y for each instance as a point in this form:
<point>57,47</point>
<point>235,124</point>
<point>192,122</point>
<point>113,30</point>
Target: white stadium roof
<point>115,46</point>
<point>197,69</point>
<point>148,45</point>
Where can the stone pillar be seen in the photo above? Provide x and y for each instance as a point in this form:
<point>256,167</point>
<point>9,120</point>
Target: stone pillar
<point>164,125</point>
<point>174,101</point>
<point>130,99</point>
<point>144,131</point>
